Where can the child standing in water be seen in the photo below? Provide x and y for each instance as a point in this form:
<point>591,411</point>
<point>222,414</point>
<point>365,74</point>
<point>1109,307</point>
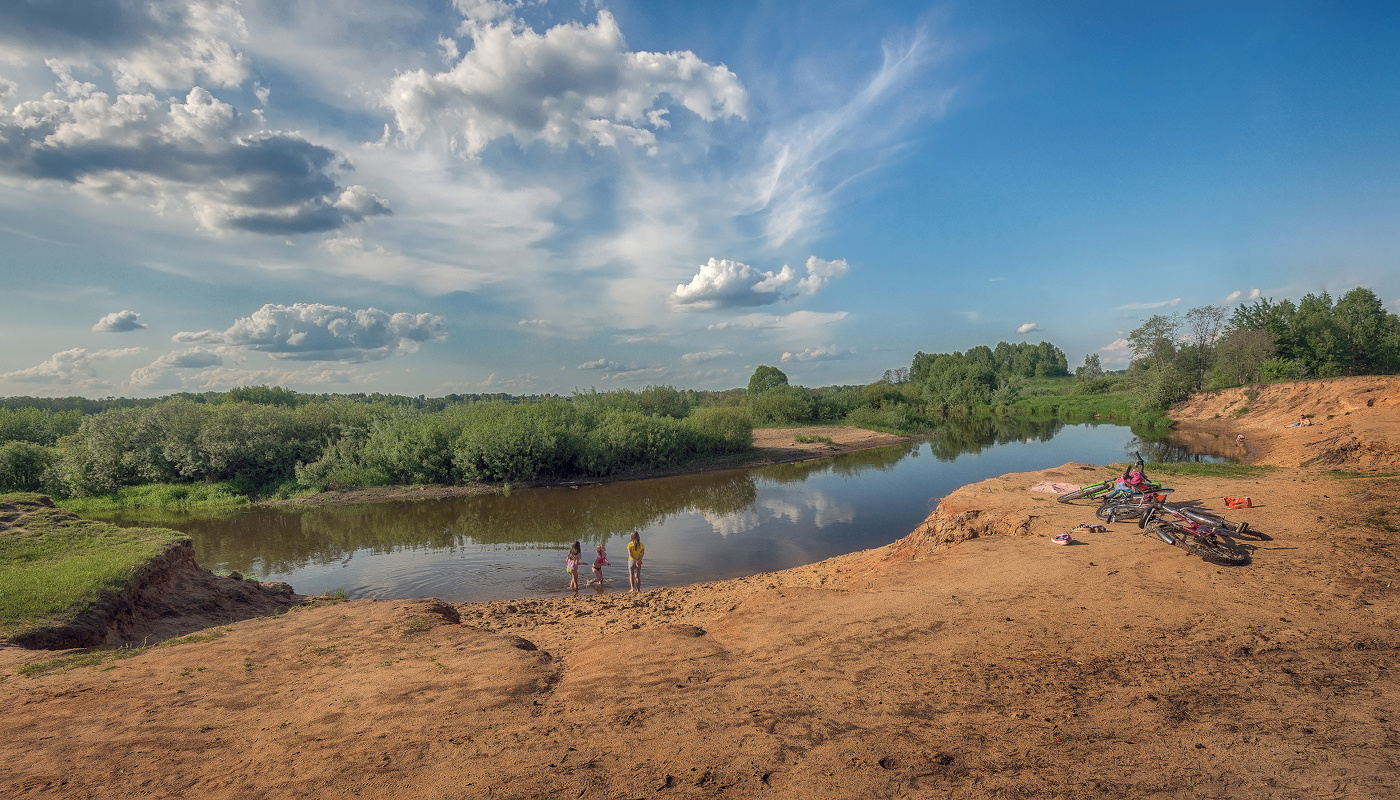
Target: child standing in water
<point>598,564</point>
<point>571,564</point>
<point>635,549</point>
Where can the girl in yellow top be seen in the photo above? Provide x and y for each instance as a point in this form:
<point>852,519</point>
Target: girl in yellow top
<point>635,549</point>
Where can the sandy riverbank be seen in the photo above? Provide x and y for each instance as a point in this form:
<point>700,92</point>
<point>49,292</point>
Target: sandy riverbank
<point>1001,665</point>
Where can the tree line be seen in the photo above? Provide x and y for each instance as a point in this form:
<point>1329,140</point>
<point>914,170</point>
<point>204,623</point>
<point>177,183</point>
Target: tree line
<point>1212,347</point>
<point>270,448</point>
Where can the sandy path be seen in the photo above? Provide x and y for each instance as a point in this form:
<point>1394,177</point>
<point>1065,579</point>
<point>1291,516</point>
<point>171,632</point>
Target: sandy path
<point>1000,666</point>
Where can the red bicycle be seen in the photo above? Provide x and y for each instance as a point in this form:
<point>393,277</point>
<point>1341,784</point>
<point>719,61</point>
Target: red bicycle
<point>1207,540</point>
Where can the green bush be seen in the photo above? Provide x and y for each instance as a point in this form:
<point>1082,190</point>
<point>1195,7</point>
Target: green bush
<point>25,466</point>
<point>888,420</point>
<point>722,430</point>
<point>782,405</point>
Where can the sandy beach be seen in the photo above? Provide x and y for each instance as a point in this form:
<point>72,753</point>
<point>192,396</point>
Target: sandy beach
<point>970,659</point>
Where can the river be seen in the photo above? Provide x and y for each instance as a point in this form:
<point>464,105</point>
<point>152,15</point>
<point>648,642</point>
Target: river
<point>701,527</point>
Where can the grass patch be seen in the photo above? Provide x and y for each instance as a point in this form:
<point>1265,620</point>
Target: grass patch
<point>801,439</point>
<point>1191,469</point>
<point>157,497</point>
<point>54,566</point>
<point>1343,474</point>
<point>1378,520</point>
<point>414,624</point>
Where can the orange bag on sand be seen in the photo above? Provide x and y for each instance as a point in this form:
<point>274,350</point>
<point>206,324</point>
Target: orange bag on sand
<point>1239,502</point>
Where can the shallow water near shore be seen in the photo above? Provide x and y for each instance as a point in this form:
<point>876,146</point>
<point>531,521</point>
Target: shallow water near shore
<point>696,528</point>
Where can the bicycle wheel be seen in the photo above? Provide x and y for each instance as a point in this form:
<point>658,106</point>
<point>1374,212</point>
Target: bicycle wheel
<point>1087,491</point>
<point>1212,550</point>
<point>1164,532</point>
<point>1118,511</point>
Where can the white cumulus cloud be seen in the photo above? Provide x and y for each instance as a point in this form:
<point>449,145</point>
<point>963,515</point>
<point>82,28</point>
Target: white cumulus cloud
<point>828,353</point>
<point>75,366</point>
<point>724,283</point>
<point>317,332</point>
<point>119,322</point>
<point>572,84</point>
<point>197,154</point>
<point>1027,327</point>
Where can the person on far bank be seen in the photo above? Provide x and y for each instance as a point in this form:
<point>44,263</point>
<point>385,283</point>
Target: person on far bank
<point>635,550</point>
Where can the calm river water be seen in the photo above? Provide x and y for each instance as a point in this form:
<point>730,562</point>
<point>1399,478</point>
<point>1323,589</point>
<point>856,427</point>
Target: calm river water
<point>696,527</point>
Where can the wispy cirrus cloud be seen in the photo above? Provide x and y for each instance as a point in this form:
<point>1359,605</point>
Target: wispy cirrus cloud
<point>192,358</point>
<point>705,355</point>
<point>807,163</point>
<point>1172,303</point>
<point>796,321</point>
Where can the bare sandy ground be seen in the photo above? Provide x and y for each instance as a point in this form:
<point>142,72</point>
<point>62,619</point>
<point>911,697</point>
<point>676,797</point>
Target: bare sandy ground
<point>971,659</point>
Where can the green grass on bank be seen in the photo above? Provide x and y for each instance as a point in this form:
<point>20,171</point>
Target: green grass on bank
<point>54,566</point>
<point>1191,469</point>
<point>133,500</point>
<point>1073,399</point>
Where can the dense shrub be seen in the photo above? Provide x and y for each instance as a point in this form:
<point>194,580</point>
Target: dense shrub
<point>37,426</point>
<point>782,405</point>
<point>25,466</point>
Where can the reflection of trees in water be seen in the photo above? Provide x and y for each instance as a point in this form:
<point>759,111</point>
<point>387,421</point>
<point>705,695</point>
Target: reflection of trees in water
<point>974,434</point>
<point>286,540</point>
<point>846,464</point>
<point>1173,449</point>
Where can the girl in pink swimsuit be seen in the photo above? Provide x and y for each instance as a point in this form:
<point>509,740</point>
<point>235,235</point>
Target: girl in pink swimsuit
<point>598,564</point>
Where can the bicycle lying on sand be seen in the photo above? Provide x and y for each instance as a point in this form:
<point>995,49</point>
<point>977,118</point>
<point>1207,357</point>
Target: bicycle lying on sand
<point>1133,481</point>
<point>1207,540</point>
<point>1135,507</point>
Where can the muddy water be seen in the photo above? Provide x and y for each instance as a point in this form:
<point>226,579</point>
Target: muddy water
<point>696,527</point>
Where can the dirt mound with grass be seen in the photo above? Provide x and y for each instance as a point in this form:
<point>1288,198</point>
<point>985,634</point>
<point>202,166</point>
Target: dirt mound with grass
<point>971,659</point>
<point>169,595</point>
<point>1354,423</point>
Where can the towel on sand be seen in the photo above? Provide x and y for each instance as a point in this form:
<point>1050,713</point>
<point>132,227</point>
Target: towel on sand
<point>1052,487</point>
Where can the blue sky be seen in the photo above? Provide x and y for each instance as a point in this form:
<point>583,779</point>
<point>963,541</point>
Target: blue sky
<point>478,196</point>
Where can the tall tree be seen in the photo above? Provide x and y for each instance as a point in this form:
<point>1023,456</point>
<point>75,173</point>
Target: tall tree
<point>1204,326</point>
<point>1154,341</point>
<point>1241,351</point>
<point>766,379</point>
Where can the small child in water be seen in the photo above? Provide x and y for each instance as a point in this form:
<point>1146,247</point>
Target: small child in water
<point>598,564</point>
<point>571,564</point>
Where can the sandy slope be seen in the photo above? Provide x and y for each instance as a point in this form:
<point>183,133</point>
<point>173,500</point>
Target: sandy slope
<point>999,666</point>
